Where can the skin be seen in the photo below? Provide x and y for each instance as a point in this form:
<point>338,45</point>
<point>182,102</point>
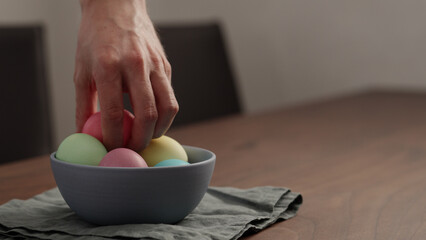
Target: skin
<point>119,51</point>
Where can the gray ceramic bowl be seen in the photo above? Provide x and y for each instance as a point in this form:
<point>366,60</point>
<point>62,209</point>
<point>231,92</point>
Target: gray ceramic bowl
<point>110,195</point>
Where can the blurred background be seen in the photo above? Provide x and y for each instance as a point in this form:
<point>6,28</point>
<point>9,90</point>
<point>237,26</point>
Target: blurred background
<point>281,53</point>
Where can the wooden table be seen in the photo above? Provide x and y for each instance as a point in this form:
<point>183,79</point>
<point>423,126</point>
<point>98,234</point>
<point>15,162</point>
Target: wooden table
<point>359,161</point>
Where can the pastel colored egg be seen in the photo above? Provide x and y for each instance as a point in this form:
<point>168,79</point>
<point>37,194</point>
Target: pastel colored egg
<point>81,148</point>
<point>171,163</point>
<point>93,126</point>
<point>122,157</point>
<point>163,148</point>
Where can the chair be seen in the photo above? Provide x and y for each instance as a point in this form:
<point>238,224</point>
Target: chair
<point>25,122</point>
<point>201,74</point>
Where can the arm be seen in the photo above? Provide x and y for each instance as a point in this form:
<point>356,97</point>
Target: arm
<point>118,51</point>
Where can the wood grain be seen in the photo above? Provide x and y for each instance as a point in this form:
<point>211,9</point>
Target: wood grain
<point>359,161</point>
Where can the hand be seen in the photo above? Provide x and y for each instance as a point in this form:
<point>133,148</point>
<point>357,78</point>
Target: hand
<point>118,51</point>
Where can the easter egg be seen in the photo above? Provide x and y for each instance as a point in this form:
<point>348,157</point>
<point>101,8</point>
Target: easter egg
<point>80,148</point>
<point>163,148</point>
<point>93,126</point>
<point>171,163</point>
<point>122,157</point>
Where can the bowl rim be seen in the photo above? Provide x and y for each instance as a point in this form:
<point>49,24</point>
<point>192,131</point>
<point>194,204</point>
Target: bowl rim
<point>205,162</point>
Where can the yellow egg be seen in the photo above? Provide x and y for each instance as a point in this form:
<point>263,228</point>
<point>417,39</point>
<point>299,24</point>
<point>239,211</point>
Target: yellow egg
<point>161,149</point>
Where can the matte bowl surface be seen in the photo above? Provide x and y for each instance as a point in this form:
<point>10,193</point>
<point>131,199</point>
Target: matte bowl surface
<point>113,195</point>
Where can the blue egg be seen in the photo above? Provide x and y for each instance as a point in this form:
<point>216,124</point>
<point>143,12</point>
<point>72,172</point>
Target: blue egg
<point>171,162</point>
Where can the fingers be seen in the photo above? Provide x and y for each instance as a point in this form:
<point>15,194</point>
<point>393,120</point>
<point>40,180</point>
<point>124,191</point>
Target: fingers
<point>145,111</point>
<point>166,103</point>
<point>151,94</point>
<point>153,100</point>
<point>109,87</point>
<point>85,97</point>
<point>123,54</point>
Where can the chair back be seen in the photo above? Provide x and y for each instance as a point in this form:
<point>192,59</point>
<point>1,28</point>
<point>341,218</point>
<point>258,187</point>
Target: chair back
<point>25,124</point>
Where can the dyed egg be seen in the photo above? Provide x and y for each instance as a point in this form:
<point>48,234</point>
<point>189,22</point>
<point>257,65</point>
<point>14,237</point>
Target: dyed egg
<point>122,157</point>
<point>93,126</point>
<point>171,163</point>
<point>80,148</point>
<point>161,149</point>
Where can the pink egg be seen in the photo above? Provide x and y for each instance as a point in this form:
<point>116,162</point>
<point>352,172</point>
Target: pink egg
<point>93,126</point>
<point>122,157</point>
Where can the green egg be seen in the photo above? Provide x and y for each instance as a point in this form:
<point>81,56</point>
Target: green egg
<point>80,148</point>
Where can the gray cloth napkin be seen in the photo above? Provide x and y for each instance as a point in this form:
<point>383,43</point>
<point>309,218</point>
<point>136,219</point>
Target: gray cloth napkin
<point>224,213</point>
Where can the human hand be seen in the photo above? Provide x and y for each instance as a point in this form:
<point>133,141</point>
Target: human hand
<point>118,51</point>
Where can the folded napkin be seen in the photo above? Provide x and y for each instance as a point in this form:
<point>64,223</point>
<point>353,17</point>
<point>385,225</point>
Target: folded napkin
<point>224,213</point>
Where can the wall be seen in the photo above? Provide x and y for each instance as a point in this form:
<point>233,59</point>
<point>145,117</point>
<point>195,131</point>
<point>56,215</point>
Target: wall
<point>60,19</point>
<point>292,51</point>
<point>283,52</point>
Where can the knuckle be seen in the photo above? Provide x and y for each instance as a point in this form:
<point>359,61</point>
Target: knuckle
<point>108,59</point>
<point>150,114</point>
<point>168,69</point>
<point>157,62</point>
<point>172,108</point>
<point>113,114</point>
<point>134,58</point>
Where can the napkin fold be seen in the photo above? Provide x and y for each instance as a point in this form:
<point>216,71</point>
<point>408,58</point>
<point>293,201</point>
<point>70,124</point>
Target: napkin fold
<point>223,213</point>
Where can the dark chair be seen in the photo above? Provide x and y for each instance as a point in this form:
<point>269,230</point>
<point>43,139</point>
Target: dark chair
<point>25,121</point>
<point>201,73</point>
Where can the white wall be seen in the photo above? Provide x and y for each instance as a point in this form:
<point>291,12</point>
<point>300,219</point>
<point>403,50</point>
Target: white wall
<point>290,51</point>
<point>60,19</point>
<point>283,52</point>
